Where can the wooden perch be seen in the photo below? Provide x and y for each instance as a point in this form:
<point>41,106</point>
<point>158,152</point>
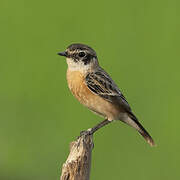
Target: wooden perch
<point>78,163</point>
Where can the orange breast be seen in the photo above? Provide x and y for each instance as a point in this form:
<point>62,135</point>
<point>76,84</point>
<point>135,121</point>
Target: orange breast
<point>79,89</point>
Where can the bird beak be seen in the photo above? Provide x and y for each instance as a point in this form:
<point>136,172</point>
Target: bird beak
<point>62,53</point>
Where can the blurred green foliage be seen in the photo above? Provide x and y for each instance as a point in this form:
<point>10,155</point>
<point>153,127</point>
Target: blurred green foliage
<point>137,42</point>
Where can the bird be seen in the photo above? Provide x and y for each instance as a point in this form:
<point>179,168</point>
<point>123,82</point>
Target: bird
<point>93,87</point>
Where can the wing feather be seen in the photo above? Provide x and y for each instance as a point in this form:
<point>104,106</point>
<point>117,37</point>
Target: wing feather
<point>100,83</point>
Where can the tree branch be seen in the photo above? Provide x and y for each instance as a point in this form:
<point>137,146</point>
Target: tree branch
<point>78,163</point>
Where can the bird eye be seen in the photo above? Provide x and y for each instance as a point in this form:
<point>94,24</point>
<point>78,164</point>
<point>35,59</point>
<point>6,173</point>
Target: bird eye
<point>81,54</point>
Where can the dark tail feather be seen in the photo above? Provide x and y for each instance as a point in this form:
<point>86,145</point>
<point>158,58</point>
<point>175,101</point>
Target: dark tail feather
<point>132,121</point>
<point>146,136</point>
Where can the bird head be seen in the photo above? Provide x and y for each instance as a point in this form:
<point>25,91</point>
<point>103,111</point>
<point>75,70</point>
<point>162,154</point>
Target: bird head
<point>80,57</point>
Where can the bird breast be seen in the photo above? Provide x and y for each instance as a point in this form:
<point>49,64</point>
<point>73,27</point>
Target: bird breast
<point>78,87</point>
<point>76,83</point>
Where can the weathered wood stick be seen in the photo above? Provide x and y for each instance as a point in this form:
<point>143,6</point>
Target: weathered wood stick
<point>78,163</point>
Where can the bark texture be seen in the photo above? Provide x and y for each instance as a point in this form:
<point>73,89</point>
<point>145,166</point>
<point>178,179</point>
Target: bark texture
<point>78,163</point>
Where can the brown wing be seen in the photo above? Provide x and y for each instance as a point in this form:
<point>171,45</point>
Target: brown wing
<point>100,83</point>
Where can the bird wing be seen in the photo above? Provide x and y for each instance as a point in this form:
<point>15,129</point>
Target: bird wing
<point>100,83</point>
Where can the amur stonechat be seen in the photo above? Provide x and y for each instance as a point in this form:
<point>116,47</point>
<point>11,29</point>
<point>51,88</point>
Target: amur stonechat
<point>94,88</point>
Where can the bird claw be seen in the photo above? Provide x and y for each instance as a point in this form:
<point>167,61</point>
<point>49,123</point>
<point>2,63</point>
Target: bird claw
<point>85,133</point>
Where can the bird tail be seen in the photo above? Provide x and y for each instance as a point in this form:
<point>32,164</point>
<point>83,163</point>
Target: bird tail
<point>133,122</point>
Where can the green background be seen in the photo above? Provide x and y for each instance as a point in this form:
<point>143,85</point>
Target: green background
<point>137,42</point>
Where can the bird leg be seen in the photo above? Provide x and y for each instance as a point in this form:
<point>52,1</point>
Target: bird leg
<point>95,128</point>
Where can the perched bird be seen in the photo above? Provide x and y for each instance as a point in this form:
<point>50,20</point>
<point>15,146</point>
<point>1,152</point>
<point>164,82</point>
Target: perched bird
<point>95,89</point>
